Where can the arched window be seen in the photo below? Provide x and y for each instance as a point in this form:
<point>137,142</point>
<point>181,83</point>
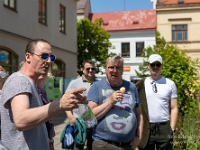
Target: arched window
<point>8,60</point>
<point>58,68</point>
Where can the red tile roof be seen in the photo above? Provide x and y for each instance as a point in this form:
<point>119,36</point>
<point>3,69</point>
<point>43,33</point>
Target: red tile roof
<point>169,2</point>
<point>127,20</point>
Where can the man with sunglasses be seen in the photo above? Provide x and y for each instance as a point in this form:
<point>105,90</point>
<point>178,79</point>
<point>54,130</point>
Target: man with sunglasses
<point>157,95</point>
<point>118,112</point>
<point>23,114</point>
<point>88,77</point>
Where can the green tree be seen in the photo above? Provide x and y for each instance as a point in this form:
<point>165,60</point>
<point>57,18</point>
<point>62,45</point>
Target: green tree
<point>178,67</point>
<point>93,43</point>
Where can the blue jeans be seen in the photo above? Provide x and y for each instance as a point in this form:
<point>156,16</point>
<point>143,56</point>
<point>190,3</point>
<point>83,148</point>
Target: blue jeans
<point>103,145</point>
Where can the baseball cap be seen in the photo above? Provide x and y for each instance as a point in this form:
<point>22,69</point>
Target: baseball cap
<point>154,58</point>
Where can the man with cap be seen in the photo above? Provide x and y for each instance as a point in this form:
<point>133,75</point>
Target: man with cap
<point>156,93</point>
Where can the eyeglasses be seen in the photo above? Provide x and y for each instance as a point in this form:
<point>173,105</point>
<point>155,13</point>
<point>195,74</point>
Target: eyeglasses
<point>88,69</point>
<point>111,68</point>
<point>157,65</point>
<point>45,56</point>
<point>154,87</point>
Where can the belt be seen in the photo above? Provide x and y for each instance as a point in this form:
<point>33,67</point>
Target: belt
<point>161,123</point>
<point>155,127</point>
<point>118,143</point>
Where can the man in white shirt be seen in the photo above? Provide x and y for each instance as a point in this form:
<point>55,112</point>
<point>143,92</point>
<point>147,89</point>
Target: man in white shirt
<point>156,93</point>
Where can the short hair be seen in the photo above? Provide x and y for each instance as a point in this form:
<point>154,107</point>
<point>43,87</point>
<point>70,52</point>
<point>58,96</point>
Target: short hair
<point>88,61</point>
<point>115,59</point>
<point>30,48</point>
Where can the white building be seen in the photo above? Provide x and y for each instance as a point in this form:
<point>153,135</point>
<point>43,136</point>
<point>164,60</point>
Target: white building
<point>130,31</point>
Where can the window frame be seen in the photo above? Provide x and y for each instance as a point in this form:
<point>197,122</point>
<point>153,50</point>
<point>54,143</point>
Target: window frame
<point>62,19</point>
<point>10,67</point>
<point>183,31</point>
<point>140,49</point>
<point>8,5</point>
<point>125,50</point>
<point>42,17</point>
<point>59,69</point>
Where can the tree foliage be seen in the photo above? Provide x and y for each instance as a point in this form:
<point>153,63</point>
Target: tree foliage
<point>178,67</point>
<point>93,43</point>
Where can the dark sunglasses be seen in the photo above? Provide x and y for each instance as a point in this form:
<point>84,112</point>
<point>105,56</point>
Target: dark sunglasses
<point>45,56</point>
<point>157,65</point>
<point>154,87</point>
<point>90,68</point>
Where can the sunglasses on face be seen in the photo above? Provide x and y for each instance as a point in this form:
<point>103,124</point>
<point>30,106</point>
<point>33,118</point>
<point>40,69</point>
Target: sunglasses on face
<point>157,65</point>
<point>88,69</point>
<point>45,56</point>
<point>154,87</point>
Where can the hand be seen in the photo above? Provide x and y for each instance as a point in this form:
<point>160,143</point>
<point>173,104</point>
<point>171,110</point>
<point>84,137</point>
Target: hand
<point>72,120</point>
<point>72,98</point>
<point>135,142</point>
<point>117,96</point>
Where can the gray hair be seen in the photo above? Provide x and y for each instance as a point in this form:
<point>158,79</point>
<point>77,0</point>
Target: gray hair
<point>115,59</point>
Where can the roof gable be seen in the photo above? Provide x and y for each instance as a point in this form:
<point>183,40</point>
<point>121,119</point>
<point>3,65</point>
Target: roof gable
<point>127,20</point>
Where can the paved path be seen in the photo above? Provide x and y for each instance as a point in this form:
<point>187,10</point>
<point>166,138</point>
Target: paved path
<point>59,122</point>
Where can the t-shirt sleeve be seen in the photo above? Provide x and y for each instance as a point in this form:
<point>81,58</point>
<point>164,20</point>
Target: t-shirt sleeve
<point>71,85</point>
<point>13,87</point>
<point>174,90</point>
<point>92,94</point>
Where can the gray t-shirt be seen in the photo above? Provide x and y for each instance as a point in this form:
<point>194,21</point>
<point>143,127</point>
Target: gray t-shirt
<point>31,139</point>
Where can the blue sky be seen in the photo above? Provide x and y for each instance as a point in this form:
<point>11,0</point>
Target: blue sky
<point>119,5</point>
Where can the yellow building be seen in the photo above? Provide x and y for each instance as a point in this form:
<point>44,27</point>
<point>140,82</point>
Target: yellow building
<point>178,21</point>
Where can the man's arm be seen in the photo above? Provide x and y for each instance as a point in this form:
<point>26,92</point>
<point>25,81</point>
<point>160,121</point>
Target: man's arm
<point>71,117</point>
<point>102,109</point>
<point>27,118</point>
<point>174,113</point>
<point>139,130</point>
<point>140,122</point>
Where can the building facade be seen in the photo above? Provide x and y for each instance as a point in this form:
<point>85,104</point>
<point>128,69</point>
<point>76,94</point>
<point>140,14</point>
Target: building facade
<point>83,9</point>
<point>178,22</point>
<point>54,21</point>
<point>130,31</point>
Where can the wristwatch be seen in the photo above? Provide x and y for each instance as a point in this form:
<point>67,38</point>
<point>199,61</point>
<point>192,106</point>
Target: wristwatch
<point>173,130</point>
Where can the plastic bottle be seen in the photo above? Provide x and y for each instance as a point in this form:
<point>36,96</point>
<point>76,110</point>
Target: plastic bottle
<point>88,116</point>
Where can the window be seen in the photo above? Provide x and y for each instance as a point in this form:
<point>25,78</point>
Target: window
<point>58,68</point>
<point>10,4</point>
<point>139,48</point>
<point>42,12</point>
<point>125,50</point>
<point>62,19</point>
<point>179,33</point>
<point>8,60</point>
